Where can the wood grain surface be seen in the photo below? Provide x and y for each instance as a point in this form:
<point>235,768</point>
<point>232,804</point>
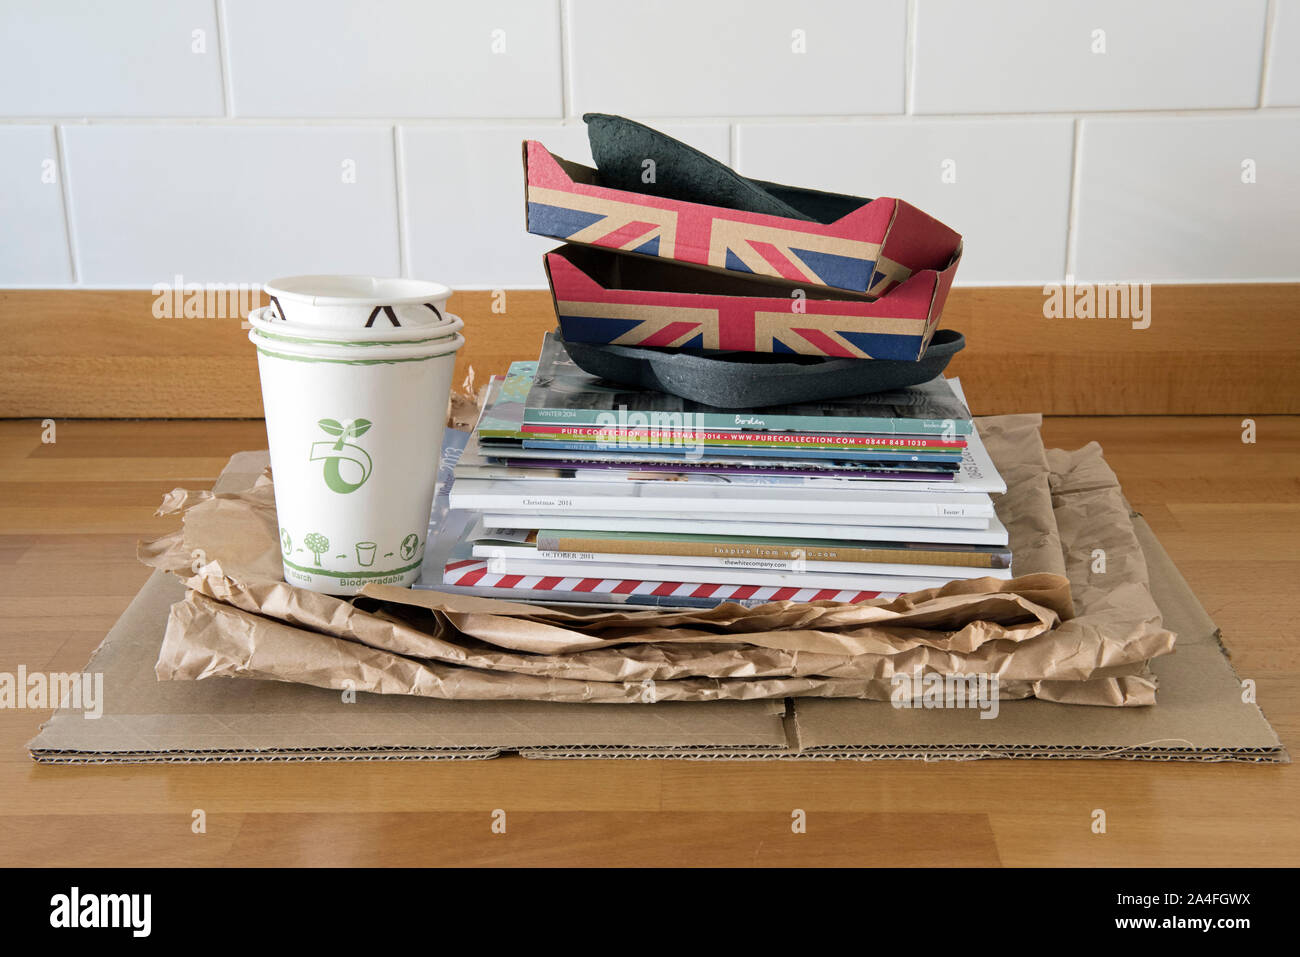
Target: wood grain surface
<point>71,512</point>
<point>1228,349</point>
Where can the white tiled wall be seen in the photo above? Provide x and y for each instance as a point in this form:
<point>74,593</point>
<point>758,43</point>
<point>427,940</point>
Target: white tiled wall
<point>125,58</point>
<point>1170,216</point>
<point>394,58</point>
<point>1003,183</point>
<point>238,140</point>
<point>1282,86</point>
<point>1027,56</point>
<point>737,57</point>
<point>218,203</point>
<point>31,208</point>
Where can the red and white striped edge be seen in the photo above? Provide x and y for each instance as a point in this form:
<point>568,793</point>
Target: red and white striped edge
<point>474,571</point>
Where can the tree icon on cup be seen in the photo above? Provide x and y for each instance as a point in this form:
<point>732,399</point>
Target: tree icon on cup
<point>317,544</point>
<point>366,554</point>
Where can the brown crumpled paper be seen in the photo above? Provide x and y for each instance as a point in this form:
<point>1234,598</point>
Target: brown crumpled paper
<point>1085,639</point>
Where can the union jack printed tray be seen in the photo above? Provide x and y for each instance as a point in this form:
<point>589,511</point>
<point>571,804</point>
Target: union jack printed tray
<point>610,298</point>
<point>869,250</point>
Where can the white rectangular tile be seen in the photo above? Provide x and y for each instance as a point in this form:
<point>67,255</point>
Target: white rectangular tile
<point>230,203</point>
<point>1003,184</point>
<point>125,58</point>
<point>33,234</point>
<point>1169,199</point>
<point>463,193</point>
<point>1282,85</point>
<point>398,58</point>
<point>737,57</point>
<point>1024,56</point>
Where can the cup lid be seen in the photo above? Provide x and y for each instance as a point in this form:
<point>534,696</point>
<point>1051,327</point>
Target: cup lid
<point>366,353</point>
<point>343,301</point>
<point>266,319</point>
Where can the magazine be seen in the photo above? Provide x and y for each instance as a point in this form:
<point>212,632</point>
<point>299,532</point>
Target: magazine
<point>721,576</point>
<point>879,529</point>
<point>687,499</point>
<point>579,560</point>
<point>473,576</point>
<point>735,546</point>
<point>974,474</point>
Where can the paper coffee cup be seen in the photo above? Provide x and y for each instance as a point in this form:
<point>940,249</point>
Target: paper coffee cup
<point>357,302</point>
<point>355,434</point>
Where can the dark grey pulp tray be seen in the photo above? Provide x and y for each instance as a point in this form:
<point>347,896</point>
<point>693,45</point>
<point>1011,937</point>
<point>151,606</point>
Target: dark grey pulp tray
<point>746,380</point>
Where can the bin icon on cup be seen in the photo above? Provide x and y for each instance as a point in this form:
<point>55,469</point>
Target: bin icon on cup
<point>366,554</point>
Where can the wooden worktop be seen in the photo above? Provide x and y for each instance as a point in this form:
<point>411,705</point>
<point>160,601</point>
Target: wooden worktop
<point>70,515</point>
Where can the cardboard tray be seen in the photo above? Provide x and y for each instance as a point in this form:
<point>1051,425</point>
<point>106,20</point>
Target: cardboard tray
<point>869,250</point>
<point>739,380</point>
<point>612,299</point>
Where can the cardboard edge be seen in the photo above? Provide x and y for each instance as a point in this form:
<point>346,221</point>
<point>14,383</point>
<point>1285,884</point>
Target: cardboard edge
<point>941,239</point>
<point>619,752</point>
<point>61,758</point>
<point>527,222</point>
<point>943,281</point>
<point>982,752</point>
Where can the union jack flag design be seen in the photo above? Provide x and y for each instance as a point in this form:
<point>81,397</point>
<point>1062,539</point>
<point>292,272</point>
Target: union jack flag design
<point>898,326</point>
<point>847,254</point>
<point>474,572</point>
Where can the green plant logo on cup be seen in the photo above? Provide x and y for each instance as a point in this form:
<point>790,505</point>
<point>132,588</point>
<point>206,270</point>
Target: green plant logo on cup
<point>341,452</point>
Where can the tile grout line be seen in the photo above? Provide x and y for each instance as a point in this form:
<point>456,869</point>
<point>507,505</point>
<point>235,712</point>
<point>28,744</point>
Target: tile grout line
<point>1072,209</point>
<point>490,122</point>
<point>223,61</point>
<point>566,54</point>
<point>399,191</point>
<point>1265,59</point>
<point>65,191</point>
<point>520,286</point>
<point>909,58</point>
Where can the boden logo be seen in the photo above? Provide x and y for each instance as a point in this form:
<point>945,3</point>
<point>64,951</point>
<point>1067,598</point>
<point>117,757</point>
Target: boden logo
<point>347,465</point>
<point>77,910</point>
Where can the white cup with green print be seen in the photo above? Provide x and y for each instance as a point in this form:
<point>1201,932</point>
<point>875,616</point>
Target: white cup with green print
<point>355,429</point>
